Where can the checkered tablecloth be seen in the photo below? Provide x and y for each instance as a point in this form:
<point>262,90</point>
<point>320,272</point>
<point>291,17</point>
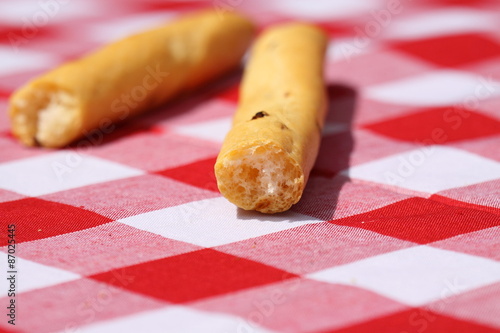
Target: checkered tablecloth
<point>398,228</point>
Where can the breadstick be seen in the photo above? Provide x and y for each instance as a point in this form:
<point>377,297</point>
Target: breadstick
<point>127,77</point>
<point>266,157</point>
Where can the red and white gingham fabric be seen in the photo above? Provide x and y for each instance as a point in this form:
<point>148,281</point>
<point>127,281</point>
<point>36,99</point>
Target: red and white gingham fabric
<point>398,228</point>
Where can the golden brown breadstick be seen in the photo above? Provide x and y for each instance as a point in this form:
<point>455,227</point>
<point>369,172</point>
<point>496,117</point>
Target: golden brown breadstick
<point>127,77</point>
<point>266,158</point>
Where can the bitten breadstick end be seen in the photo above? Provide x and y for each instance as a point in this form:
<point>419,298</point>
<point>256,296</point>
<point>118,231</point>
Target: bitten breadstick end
<point>266,157</point>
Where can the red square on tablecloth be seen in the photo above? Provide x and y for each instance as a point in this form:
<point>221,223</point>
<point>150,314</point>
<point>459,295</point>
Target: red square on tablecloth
<point>438,126</point>
<point>415,320</point>
<point>200,174</point>
<point>195,275</point>
<point>452,50</point>
<point>471,3</point>
<point>36,219</point>
<point>16,35</point>
<point>422,220</point>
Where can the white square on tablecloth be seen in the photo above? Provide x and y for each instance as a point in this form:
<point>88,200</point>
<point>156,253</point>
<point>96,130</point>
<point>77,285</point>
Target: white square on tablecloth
<point>428,169</point>
<point>33,15</point>
<point>213,222</point>
<point>319,9</point>
<point>175,319</point>
<point>14,60</point>
<point>212,130</point>
<point>113,30</point>
<point>31,275</point>
<point>437,88</point>
<point>59,171</point>
<point>452,20</point>
<point>416,275</point>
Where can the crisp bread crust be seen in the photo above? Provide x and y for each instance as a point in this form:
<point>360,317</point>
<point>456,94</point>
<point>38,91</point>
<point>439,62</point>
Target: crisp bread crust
<point>171,60</point>
<point>266,157</point>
